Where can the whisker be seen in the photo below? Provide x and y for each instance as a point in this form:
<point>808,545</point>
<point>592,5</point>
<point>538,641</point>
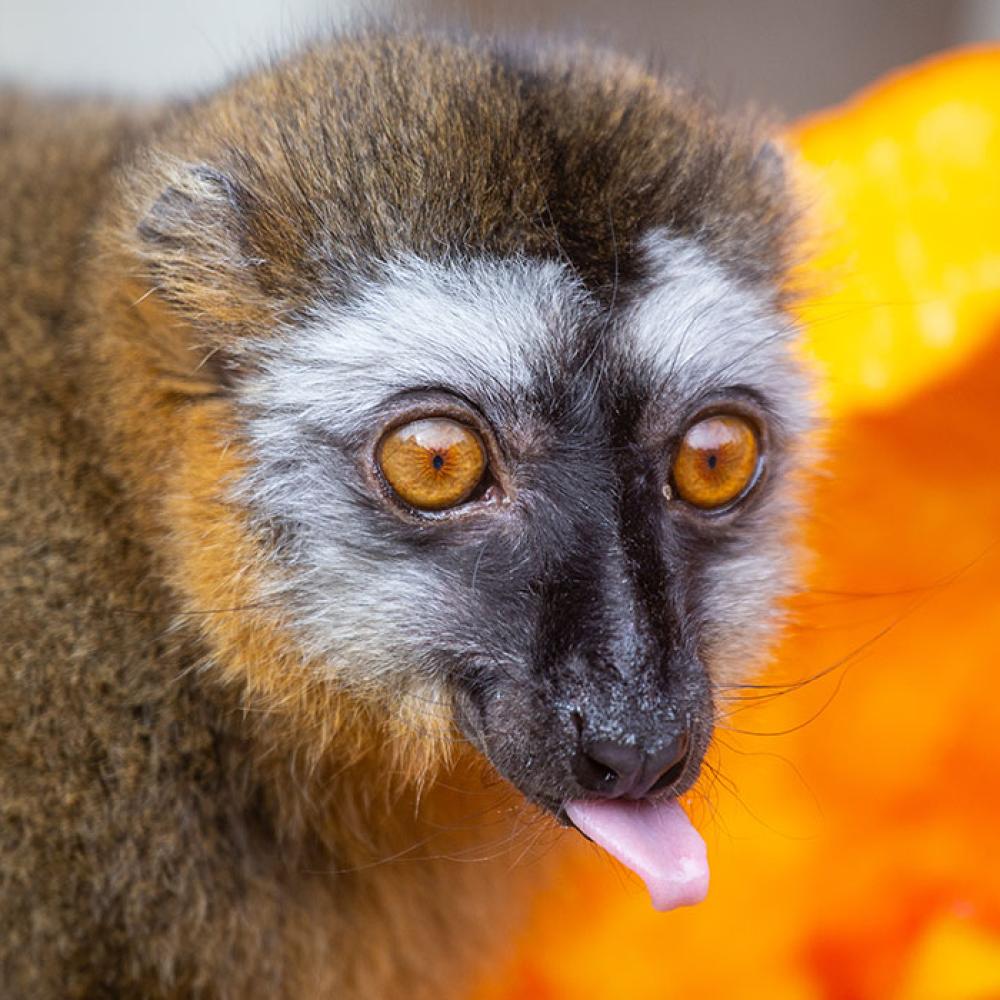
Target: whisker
<point>769,690</point>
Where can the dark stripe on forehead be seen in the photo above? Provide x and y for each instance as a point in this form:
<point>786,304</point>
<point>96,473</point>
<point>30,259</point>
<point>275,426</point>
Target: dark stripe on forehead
<point>614,157</point>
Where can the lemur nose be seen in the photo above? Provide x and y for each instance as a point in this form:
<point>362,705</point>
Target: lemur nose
<point>622,770</point>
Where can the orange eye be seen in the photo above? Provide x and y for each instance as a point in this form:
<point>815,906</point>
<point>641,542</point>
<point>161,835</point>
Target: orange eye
<point>434,463</point>
<point>716,462</point>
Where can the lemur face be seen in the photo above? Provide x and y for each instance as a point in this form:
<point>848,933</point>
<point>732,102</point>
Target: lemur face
<point>565,516</point>
<point>512,376</point>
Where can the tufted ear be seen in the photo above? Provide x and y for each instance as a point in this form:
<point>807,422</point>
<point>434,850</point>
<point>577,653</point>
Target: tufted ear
<point>197,197</point>
<point>196,251</point>
<point>771,164</point>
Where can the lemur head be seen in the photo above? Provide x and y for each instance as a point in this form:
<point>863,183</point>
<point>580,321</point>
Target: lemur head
<point>500,340</point>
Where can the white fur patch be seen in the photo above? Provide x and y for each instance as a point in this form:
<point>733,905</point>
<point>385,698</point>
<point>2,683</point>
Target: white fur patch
<point>705,331</point>
<point>359,601</point>
<point>466,327</point>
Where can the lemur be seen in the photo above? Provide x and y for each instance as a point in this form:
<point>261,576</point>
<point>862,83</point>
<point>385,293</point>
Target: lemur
<point>398,450</point>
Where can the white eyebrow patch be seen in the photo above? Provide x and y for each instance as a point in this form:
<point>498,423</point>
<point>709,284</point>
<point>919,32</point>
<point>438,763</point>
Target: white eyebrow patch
<point>701,329</point>
<point>470,326</point>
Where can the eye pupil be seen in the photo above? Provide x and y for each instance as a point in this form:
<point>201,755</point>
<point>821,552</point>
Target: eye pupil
<point>437,461</point>
<point>713,461</point>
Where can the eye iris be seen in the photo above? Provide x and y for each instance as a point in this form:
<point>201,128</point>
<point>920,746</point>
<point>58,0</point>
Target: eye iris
<point>432,464</point>
<point>716,461</point>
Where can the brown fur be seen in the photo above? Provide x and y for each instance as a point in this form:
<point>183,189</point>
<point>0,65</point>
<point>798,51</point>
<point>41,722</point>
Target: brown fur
<point>185,809</point>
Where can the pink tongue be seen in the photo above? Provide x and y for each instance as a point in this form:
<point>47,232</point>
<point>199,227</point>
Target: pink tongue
<point>655,839</point>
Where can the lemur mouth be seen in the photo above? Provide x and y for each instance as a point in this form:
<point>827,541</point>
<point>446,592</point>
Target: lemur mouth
<point>652,836</point>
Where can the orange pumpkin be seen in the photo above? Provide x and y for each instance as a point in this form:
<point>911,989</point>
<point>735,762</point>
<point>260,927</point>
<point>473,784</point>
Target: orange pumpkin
<point>854,856</point>
<point>902,184</point>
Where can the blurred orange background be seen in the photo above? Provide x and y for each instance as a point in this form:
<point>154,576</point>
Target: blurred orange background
<point>852,820</point>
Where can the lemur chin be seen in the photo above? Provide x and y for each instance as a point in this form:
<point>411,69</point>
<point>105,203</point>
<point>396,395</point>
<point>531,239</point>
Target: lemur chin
<point>400,436</point>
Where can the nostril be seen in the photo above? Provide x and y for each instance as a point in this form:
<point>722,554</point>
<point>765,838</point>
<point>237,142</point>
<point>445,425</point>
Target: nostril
<point>666,766</point>
<point>608,767</point>
<point>593,775</point>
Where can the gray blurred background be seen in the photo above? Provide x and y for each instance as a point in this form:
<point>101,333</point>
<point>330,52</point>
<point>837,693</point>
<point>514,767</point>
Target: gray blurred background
<point>787,55</point>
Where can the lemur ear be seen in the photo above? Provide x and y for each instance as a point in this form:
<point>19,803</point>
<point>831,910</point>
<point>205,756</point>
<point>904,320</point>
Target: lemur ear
<point>196,193</point>
<point>196,254</point>
<point>771,163</point>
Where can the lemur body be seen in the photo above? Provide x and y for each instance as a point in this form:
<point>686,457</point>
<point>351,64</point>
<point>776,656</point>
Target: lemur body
<point>140,855</point>
<point>253,703</point>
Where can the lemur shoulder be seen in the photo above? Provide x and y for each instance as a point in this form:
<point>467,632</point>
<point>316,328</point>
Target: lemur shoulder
<point>395,450</point>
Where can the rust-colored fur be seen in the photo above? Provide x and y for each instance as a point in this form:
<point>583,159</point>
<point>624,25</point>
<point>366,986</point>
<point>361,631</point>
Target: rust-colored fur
<point>185,808</point>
